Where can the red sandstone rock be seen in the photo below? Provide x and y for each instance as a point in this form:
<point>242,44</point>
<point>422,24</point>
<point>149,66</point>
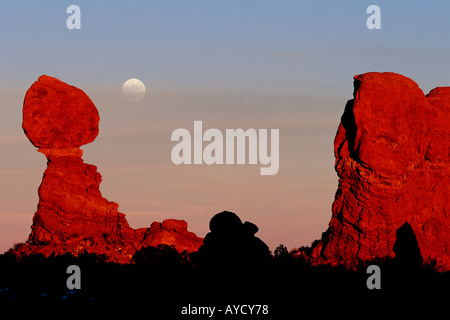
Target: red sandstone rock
<point>392,158</point>
<point>171,232</point>
<point>57,115</point>
<point>72,215</point>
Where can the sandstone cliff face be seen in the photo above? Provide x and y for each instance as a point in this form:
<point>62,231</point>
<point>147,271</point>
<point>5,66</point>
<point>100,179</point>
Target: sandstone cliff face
<point>72,215</point>
<point>392,152</point>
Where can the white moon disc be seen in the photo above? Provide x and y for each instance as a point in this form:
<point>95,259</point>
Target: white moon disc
<point>133,90</point>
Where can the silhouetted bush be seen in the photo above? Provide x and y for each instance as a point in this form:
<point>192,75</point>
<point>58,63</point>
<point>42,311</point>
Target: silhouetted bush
<point>162,276</point>
<point>161,256</point>
<point>281,252</point>
<point>161,279</point>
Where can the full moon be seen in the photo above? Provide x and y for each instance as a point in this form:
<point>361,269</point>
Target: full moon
<point>133,90</point>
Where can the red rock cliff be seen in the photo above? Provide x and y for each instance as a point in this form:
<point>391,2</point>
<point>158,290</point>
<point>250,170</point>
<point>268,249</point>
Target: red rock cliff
<point>72,215</point>
<point>392,158</point>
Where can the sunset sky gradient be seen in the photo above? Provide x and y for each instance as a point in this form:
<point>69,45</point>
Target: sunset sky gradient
<point>285,65</point>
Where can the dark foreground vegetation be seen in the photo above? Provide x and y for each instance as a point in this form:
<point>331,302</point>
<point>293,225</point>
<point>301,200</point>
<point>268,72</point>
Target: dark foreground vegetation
<point>161,282</point>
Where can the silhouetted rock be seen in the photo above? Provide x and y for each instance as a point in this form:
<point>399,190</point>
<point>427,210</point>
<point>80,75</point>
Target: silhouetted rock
<point>392,155</point>
<point>232,245</point>
<point>72,215</point>
<point>406,248</point>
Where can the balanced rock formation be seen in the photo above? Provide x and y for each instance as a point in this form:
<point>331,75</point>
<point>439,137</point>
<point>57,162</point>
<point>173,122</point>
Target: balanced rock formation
<point>72,215</point>
<point>392,152</point>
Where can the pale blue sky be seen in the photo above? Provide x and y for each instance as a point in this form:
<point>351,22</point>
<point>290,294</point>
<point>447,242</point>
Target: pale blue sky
<point>261,64</point>
<point>269,45</point>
